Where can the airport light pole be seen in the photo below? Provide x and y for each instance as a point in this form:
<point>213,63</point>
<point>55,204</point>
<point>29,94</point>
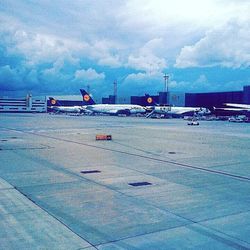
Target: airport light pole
<point>115,90</point>
<point>166,77</point>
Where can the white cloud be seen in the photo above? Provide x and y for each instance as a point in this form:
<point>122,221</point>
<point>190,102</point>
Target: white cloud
<point>226,46</point>
<point>141,83</point>
<point>202,79</point>
<point>146,59</point>
<point>137,77</point>
<point>89,74</point>
<point>47,42</point>
<point>153,15</point>
<point>105,52</point>
<point>111,61</point>
<point>42,47</point>
<point>110,36</point>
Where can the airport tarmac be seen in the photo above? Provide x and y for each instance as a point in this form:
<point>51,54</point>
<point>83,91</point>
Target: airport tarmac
<point>159,184</point>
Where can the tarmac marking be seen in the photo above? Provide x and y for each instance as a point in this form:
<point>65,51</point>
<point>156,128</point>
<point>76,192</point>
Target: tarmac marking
<point>235,176</point>
<point>216,234</point>
<point>53,216</point>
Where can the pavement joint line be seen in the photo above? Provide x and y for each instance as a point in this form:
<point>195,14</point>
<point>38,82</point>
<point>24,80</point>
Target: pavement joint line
<point>230,164</point>
<point>21,212</point>
<point>144,201</point>
<point>84,248</point>
<point>221,165</point>
<point>187,220</point>
<point>220,237</point>
<point>239,177</point>
<point>193,222</point>
<point>6,188</point>
<point>205,231</point>
<point>219,217</point>
<point>31,200</point>
<point>148,203</point>
<point>143,151</point>
<point>107,186</point>
<point>142,234</point>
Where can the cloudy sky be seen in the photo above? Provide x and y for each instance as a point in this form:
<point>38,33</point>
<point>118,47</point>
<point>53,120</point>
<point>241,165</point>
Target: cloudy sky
<point>60,46</point>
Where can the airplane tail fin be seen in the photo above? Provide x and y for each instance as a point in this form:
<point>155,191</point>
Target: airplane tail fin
<point>54,102</point>
<point>87,99</point>
<point>150,100</point>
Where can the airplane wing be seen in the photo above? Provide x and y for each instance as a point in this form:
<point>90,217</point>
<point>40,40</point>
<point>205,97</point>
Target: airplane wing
<point>238,105</point>
<point>113,111</point>
<point>231,109</point>
<point>181,112</point>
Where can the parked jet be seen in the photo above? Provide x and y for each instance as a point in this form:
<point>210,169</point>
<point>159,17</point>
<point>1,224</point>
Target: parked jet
<point>58,108</point>
<point>174,111</point>
<point>233,109</point>
<point>239,106</point>
<point>178,111</point>
<point>111,109</point>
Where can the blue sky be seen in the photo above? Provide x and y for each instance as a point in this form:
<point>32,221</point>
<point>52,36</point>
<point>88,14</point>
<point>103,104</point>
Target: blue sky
<point>56,47</point>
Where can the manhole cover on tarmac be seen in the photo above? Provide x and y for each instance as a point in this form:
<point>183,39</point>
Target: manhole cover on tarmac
<point>90,171</point>
<point>138,184</point>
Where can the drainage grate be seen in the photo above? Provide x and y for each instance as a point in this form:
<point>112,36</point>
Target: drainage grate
<point>138,184</point>
<point>4,140</point>
<point>172,153</point>
<point>90,171</point>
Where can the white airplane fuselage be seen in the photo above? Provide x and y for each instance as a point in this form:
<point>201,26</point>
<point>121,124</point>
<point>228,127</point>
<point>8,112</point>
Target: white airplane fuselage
<point>171,110</point>
<point>67,109</point>
<point>115,109</point>
<point>239,106</point>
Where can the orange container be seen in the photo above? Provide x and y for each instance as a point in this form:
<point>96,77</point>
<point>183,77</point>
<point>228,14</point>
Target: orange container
<point>103,137</point>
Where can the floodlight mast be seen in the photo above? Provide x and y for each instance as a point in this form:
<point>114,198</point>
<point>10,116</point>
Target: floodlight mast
<point>166,77</point>
<point>115,91</point>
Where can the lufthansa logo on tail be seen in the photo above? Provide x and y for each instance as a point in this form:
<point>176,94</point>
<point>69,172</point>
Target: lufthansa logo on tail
<point>86,98</point>
<point>149,100</point>
<point>53,102</point>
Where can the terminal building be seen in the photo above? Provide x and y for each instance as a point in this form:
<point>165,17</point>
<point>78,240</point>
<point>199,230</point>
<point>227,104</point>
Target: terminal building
<point>179,99</point>
<point>217,99</point>
<point>163,98</point>
<point>23,105</point>
<point>207,100</point>
<point>109,100</point>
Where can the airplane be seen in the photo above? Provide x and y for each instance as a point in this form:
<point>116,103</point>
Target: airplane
<point>111,109</point>
<point>178,111</point>
<point>233,109</point>
<point>64,109</point>
<point>245,107</point>
<point>57,107</point>
<point>174,111</point>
